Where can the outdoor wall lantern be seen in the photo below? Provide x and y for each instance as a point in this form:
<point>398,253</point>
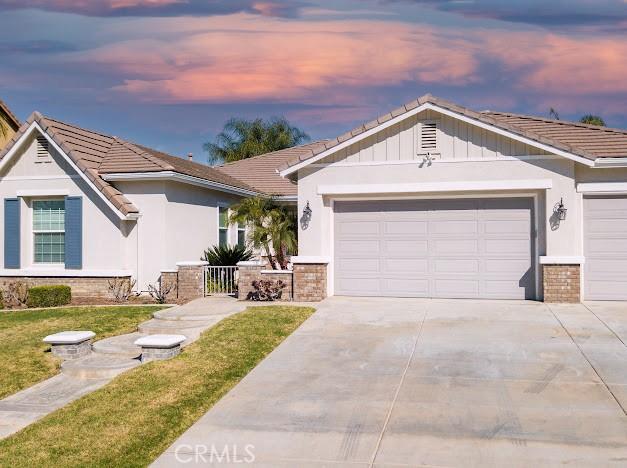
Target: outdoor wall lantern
<point>560,210</point>
<point>304,220</point>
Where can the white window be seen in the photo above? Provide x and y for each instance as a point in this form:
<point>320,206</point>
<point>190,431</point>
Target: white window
<point>49,231</point>
<point>241,235</point>
<point>223,225</point>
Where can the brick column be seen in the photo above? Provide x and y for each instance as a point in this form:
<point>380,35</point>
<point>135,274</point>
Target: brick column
<point>310,278</point>
<point>191,277</point>
<point>561,282</point>
<point>170,278</point>
<point>248,272</point>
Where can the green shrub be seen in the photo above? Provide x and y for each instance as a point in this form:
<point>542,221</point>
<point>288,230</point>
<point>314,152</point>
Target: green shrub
<point>49,296</point>
<point>1,300</point>
<point>226,255</point>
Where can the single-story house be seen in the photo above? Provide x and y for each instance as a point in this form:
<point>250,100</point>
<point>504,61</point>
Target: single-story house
<point>81,207</point>
<point>9,123</point>
<point>429,200</point>
<point>436,200</point>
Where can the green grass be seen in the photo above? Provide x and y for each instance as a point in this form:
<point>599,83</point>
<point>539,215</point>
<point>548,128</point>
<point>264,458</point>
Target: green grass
<point>133,419</point>
<point>23,360</point>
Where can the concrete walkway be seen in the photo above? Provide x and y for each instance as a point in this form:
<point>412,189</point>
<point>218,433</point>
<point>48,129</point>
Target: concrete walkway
<point>409,382</point>
<point>111,357</point>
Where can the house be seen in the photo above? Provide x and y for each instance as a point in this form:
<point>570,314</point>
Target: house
<point>81,207</point>
<point>436,200</point>
<point>9,123</point>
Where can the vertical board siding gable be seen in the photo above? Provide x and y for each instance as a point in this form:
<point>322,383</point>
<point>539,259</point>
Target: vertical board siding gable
<point>11,233</point>
<point>74,232</point>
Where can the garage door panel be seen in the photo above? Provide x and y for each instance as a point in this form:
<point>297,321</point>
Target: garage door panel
<point>447,226</point>
<point>509,247</point>
<point>437,248</point>
<point>456,265</point>
<point>405,227</point>
<point>456,288</point>
<point>356,247</point>
<point>453,247</point>
<point>405,266</point>
<point>609,246</point>
<point>406,287</point>
<point>359,265</point>
<point>405,247</point>
<point>605,248</point>
<point>359,228</point>
<point>512,267</point>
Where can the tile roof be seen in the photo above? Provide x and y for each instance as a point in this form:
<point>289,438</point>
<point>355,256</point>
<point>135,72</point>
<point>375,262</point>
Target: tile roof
<point>96,154</point>
<point>4,108</point>
<point>597,142</point>
<point>587,141</point>
<point>261,173</point>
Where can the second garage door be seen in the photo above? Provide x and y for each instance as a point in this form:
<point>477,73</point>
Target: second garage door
<point>464,248</point>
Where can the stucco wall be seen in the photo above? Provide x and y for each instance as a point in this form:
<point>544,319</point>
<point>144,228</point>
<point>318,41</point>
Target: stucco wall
<point>103,241</point>
<point>178,222</point>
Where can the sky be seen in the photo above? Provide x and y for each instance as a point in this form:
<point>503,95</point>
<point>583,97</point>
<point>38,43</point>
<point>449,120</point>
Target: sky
<point>169,73</point>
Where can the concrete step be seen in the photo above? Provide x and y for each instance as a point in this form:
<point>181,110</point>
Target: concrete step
<point>171,327</point>
<point>121,346</point>
<point>98,366</point>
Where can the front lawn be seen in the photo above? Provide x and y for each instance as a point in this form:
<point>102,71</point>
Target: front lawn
<point>23,360</point>
<point>133,419</point>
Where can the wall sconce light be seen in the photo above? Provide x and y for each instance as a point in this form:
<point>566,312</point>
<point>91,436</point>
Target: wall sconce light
<point>304,220</point>
<point>560,210</point>
<point>307,211</point>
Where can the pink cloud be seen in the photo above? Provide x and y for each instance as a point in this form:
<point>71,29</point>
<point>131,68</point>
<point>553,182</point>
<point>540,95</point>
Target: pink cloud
<point>243,58</point>
<point>564,65</point>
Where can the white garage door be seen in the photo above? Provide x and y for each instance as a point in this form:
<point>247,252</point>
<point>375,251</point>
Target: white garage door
<point>464,248</point>
<point>605,248</point>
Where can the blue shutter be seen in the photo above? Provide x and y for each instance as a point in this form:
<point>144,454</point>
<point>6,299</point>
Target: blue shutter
<point>11,233</point>
<point>74,232</point>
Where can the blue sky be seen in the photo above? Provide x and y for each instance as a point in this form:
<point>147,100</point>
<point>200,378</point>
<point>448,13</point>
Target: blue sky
<point>169,73</point>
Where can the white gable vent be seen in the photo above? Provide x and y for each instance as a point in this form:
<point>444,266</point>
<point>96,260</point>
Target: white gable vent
<point>428,138</point>
<point>42,147</point>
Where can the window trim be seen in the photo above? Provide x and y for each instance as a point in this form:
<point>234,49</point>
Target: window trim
<point>241,228</point>
<point>220,228</point>
<point>33,232</point>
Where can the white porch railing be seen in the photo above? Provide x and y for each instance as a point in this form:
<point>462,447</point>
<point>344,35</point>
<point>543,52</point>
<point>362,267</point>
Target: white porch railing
<point>221,280</point>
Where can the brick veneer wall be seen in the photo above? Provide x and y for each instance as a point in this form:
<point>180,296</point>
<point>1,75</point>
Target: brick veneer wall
<point>170,278</point>
<point>191,281</point>
<point>287,278</point>
<point>562,283</point>
<point>310,282</point>
<point>248,272</point>
<point>81,286</point>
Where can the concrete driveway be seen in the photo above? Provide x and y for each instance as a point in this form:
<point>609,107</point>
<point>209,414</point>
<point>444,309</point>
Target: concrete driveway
<point>409,382</point>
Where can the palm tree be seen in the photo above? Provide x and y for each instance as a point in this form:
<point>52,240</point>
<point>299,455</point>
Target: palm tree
<point>273,228</point>
<point>241,139</point>
<point>592,119</point>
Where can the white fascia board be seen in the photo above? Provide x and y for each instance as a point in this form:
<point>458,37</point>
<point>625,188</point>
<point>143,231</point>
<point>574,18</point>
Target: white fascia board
<point>177,177</point>
<point>61,272</point>
<point>286,198</point>
<point>455,115</point>
<point>610,162</point>
<point>460,186</point>
<point>35,126</point>
<point>601,187</point>
<point>43,193</point>
<point>562,260</point>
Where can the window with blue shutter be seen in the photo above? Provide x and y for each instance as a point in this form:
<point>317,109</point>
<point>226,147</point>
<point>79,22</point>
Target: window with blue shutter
<point>11,233</point>
<point>74,232</point>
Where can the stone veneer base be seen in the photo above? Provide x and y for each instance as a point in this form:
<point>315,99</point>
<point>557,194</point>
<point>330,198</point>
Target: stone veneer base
<point>160,354</point>
<point>71,351</point>
<point>562,283</point>
<point>81,286</point>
